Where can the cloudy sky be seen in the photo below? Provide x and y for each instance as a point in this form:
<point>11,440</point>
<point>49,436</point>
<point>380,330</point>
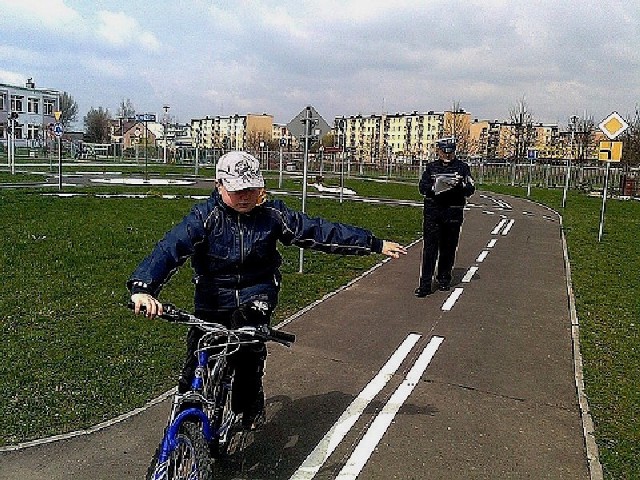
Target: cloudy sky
<point>344,57</point>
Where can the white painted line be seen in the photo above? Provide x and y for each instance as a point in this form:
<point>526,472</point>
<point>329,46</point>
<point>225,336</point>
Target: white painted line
<point>498,227</point>
<point>492,243</point>
<point>486,212</point>
<point>453,298</point>
<point>469,275</point>
<point>508,227</point>
<point>376,431</point>
<point>482,256</point>
<point>334,436</point>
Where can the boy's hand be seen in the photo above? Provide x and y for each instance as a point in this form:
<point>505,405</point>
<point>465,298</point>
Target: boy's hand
<point>152,306</point>
<point>393,249</point>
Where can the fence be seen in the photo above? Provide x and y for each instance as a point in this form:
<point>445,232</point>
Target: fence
<point>539,174</point>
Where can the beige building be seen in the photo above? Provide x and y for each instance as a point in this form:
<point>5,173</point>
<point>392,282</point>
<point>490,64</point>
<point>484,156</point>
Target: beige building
<point>233,132</point>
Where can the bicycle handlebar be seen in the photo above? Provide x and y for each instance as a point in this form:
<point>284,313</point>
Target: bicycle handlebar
<point>173,314</point>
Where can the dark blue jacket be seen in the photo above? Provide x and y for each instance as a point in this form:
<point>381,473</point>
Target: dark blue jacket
<point>456,197</point>
<point>234,255</point>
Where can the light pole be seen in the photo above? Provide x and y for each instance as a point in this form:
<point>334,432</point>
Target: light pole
<point>573,120</point>
<point>166,118</point>
<point>343,130</point>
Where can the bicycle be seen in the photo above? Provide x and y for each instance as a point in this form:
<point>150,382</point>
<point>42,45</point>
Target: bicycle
<point>201,426</point>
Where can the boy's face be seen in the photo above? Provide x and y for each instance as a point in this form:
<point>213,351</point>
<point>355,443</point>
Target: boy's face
<point>242,201</point>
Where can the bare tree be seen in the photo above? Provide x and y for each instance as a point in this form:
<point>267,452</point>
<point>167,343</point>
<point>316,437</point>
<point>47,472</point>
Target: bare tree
<point>456,124</point>
<point>96,124</point>
<point>68,109</point>
<point>126,109</point>
<point>522,120</point>
<point>631,140</point>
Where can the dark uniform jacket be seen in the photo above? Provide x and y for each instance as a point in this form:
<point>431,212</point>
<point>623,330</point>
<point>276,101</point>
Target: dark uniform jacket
<point>234,255</point>
<point>456,197</point>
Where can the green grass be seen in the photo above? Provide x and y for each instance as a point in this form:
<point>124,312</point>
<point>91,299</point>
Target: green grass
<point>69,347</point>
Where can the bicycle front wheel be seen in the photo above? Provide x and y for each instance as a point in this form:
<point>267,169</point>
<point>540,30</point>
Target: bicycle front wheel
<point>189,460</point>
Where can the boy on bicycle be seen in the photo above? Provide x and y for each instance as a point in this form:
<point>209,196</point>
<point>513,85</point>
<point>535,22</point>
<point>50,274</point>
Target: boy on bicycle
<point>231,240</point>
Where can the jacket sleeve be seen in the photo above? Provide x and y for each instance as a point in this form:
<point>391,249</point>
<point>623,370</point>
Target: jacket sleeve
<point>468,183</point>
<point>169,254</point>
<point>426,183</point>
<point>304,231</point>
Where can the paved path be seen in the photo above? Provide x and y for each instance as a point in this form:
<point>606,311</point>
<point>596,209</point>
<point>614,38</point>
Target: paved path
<point>484,386</point>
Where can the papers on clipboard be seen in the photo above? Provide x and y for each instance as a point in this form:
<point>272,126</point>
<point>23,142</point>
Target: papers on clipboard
<point>445,182</point>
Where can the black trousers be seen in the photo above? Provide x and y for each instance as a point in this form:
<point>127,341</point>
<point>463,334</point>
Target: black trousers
<point>248,363</point>
<point>441,230</point>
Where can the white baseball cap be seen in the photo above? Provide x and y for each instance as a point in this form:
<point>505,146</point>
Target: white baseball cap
<point>239,170</point>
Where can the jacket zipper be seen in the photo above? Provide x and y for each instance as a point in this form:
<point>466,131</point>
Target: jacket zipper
<point>241,258</point>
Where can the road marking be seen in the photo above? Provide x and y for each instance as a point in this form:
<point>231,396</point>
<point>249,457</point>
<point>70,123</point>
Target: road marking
<point>499,226</point>
<point>508,227</point>
<point>492,243</point>
<point>376,431</point>
<point>469,275</point>
<point>334,436</point>
<point>453,298</point>
<point>482,256</point>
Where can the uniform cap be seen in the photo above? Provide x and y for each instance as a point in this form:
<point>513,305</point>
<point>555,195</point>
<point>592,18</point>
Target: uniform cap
<point>447,144</point>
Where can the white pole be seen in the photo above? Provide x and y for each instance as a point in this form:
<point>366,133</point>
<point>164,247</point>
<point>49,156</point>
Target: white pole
<point>280,174</point>
<point>604,202</point>
<point>307,134</point>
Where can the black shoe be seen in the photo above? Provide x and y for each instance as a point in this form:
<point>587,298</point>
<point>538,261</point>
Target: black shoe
<point>251,422</point>
<point>444,287</point>
<point>421,292</point>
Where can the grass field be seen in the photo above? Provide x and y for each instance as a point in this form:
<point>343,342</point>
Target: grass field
<point>69,346</point>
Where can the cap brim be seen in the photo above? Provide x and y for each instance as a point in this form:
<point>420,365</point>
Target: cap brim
<point>236,184</point>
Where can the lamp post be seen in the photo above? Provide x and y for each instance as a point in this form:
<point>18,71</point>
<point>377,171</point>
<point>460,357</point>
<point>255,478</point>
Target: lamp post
<point>573,120</point>
<point>343,130</point>
<point>166,118</point>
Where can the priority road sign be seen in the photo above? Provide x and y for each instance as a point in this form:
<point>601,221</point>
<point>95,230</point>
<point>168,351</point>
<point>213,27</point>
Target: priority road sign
<point>610,151</point>
<point>613,125</point>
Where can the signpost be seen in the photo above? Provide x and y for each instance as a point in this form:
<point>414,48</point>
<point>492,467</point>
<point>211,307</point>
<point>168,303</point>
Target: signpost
<point>283,142</point>
<point>532,154</point>
<point>146,118</point>
<point>58,130</point>
<point>308,124</point>
<point>612,126</point>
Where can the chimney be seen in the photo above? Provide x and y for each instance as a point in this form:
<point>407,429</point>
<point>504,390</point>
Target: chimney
<point>30,83</point>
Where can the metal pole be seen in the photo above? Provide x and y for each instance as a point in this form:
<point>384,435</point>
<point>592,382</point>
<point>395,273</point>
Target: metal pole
<point>280,174</point>
<point>146,152</point>
<point>604,202</point>
<point>573,119</point>
<point>307,134</point>
<point>59,163</point>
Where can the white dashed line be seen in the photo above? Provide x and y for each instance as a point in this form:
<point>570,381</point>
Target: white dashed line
<point>492,243</point>
<point>499,226</point>
<point>453,298</point>
<point>469,275</point>
<point>508,227</point>
<point>482,256</point>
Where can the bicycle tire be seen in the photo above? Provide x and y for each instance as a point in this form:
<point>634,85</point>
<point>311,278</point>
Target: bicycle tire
<point>190,456</point>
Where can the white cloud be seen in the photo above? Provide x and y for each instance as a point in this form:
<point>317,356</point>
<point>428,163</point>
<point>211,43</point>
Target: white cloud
<point>121,30</point>
<point>12,78</point>
<point>51,14</point>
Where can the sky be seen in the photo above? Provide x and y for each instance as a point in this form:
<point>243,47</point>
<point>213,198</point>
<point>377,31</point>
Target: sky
<point>222,57</point>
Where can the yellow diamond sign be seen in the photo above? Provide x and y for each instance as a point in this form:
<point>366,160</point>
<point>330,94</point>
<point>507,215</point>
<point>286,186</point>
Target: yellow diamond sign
<point>613,125</point>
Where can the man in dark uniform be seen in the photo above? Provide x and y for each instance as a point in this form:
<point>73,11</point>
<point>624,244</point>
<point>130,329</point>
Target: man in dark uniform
<point>446,183</point>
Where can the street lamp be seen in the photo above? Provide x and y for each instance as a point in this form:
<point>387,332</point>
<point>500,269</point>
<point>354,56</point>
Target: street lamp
<point>573,120</point>
<point>166,109</point>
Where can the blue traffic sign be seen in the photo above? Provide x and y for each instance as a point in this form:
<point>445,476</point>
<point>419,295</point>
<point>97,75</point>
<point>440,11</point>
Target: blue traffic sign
<point>58,130</point>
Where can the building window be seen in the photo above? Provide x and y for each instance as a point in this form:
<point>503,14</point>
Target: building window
<point>3,132</point>
<point>16,103</point>
<point>3,101</point>
<point>49,106</point>
<point>17,132</point>
<point>32,132</point>
<point>33,105</point>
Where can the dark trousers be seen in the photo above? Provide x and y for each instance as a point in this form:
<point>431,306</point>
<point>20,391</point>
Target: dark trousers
<point>441,230</point>
<point>248,363</point>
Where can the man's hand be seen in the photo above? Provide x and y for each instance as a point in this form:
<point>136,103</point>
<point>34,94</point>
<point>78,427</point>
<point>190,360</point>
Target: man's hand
<point>153,307</point>
<point>393,249</point>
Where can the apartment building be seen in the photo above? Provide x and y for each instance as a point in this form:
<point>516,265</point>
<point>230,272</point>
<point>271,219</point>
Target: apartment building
<point>34,108</point>
<point>400,136</point>
<point>233,132</point>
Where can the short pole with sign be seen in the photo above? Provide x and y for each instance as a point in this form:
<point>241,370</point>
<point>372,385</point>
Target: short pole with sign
<point>532,154</point>
<point>58,131</point>
<point>612,126</point>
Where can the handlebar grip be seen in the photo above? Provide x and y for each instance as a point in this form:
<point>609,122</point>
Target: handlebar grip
<point>283,336</point>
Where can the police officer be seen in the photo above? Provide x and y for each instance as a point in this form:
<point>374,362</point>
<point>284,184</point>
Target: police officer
<point>446,183</point>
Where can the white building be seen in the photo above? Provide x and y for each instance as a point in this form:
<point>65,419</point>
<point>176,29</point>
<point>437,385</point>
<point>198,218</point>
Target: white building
<point>34,108</point>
